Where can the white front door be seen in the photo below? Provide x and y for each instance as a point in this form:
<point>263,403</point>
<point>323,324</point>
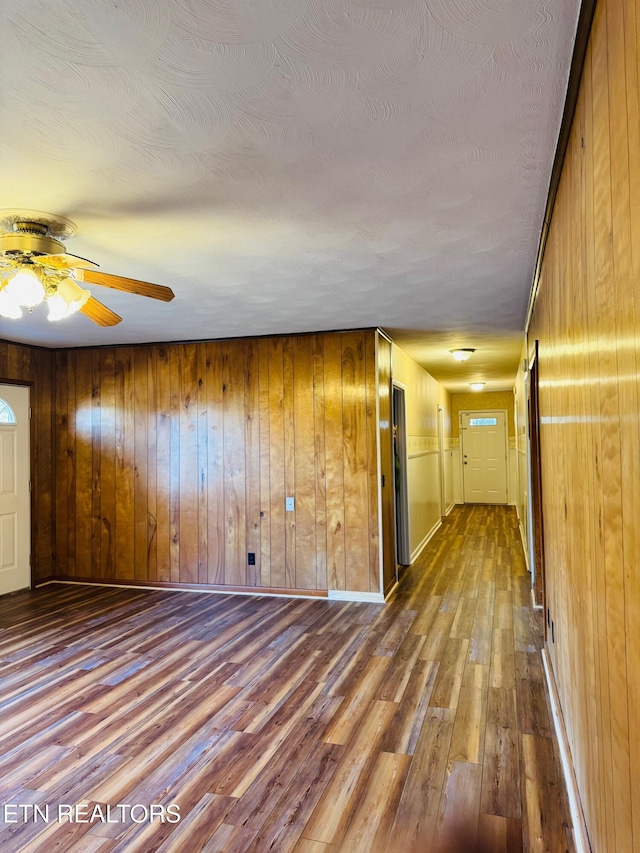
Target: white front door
<point>484,457</point>
<point>15,503</point>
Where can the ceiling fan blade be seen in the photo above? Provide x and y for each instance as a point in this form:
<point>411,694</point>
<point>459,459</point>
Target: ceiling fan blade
<point>99,313</point>
<point>63,262</point>
<point>129,285</point>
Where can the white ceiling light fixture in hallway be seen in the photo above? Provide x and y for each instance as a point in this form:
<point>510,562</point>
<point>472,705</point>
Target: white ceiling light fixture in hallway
<point>462,354</point>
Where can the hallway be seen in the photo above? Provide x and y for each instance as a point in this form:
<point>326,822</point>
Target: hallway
<point>289,724</point>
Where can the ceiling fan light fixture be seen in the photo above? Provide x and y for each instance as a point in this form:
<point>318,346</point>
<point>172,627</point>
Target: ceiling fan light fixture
<point>67,298</point>
<point>25,287</point>
<point>8,306</point>
<point>476,386</point>
<point>462,354</point>
<point>35,268</point>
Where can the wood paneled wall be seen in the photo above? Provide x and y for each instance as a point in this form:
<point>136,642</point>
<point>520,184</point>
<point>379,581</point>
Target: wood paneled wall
<point>173,462</point>
<point>33,366</point>
<point>586,319</point>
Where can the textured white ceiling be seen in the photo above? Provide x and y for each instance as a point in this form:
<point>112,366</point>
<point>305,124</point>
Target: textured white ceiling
<point>288,165</point>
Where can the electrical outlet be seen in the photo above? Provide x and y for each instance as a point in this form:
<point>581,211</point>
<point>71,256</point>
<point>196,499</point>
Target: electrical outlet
<point>289,504</point>
<point>251,558</point>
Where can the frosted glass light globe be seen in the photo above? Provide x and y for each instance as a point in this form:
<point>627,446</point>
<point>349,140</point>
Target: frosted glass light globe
<point>25,288</point>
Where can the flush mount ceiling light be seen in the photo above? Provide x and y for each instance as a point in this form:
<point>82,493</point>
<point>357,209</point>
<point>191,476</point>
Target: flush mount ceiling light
<point>462,354</point>
<point>476,386</point>
<point>35,268</point>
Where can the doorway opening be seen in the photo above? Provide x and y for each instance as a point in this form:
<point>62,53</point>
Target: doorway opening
<point>537,526</point>
<point>484,456</point>
<point>15,497</point>
<point>401,489</point>
<point>443,499</point>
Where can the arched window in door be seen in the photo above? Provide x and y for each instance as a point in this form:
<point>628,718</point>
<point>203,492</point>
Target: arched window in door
<point>7,415</point>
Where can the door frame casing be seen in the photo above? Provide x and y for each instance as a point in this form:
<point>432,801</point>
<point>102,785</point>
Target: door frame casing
<point>536,515</point>
<point>388,573</point>
<point>441,459</point>
<point>403,537</point>
<point>18,383</point>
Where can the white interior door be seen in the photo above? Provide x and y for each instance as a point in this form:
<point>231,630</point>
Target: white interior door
<point>484,457</point>
<point>15,504</point>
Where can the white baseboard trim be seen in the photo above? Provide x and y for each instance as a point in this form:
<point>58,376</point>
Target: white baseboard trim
<point>423,544</point>
<point>580,834</point>
<point>352,595</point>
<point>449,508</point>
<point>533,602</point>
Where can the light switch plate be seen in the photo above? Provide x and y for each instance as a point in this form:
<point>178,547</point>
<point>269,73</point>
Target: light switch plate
<point>289,504</point>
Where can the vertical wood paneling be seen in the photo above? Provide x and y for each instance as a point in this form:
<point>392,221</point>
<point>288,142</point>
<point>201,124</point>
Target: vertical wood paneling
<point>626,318</point>
<point>61,489</point>
<point>276,462</point>
<point>176,460</point>
<point>175,407</point>
<point>234,463</point>
<point>631,52</point>
<point>336,562</point>
<point>141,481</point>
<point>107,467</point>
<point>203,451</point>
<point>72,497</point>
<point>84,462</point>
<point>265,466</point>
<point>152,453</point>
<point>355,458</point>
<point>305,465</point>
<point>188,431</point>
<point>372,453</point>
<point>163,465</point>
<point>215,465</point>
<point>600,797</point>
<point>289,461</point>
<point>252,459</point>
<point>585,319</point>
<point>40,373</point>
<point>124,462</point>
<point>320,462</point>
<point>96,477</point>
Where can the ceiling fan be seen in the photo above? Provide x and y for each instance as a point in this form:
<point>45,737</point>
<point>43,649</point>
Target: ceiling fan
<point>35,267</point>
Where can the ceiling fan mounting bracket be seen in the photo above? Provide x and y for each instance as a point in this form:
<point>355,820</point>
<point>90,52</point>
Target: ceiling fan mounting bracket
<point>37,222</point>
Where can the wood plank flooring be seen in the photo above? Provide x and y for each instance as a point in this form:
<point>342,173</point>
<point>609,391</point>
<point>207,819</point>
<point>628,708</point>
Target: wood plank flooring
<point>286,725</point>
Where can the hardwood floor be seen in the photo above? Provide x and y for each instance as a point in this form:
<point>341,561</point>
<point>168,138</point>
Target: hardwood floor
<point>286,725</point>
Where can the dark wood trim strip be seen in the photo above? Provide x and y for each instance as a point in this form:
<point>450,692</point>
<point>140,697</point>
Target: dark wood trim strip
<point>583,33</point>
